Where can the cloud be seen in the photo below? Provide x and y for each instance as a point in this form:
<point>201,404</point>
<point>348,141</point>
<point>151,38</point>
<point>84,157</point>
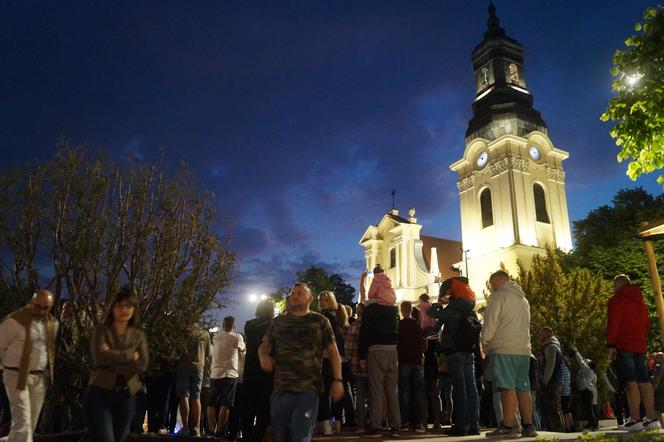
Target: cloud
<point>133,149</point>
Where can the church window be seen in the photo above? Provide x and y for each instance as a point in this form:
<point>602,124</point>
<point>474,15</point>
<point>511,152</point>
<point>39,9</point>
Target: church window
<point>393,258</point>
<point>486,207</point>
<point>484,77</point>
<point>540,204</point>
<point>513,73</point>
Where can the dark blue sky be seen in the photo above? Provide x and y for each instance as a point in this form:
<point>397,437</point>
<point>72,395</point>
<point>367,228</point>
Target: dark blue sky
<point>302,116</point>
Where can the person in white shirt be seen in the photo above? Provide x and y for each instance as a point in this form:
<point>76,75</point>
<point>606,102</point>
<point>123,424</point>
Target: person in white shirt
<point>224,375</point>
<point>27,351</point>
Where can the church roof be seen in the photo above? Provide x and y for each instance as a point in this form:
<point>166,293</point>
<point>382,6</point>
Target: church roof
<point>397,218</point>
<point>448,251</point>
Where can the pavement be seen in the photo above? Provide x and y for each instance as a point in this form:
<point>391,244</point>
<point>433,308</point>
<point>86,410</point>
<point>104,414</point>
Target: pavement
<point>607,427</point>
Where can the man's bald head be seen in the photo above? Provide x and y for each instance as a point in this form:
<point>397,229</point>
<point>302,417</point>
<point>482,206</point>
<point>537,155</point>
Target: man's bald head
<point>41,302</point>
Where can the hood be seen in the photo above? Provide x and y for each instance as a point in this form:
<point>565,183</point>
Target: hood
<point>632,292</point>
<point>552,340</point>
<point>514,288</point>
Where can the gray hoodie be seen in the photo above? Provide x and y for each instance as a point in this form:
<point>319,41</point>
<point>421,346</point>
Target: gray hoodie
<point>506,327</point>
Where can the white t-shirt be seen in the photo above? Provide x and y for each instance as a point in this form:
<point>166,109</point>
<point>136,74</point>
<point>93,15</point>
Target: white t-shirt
<point>225,355</point>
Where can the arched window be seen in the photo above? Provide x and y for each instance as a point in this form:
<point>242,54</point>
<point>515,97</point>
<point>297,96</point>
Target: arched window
<point>486,207</point>
<point>540,204</point>
<point>393,258</point>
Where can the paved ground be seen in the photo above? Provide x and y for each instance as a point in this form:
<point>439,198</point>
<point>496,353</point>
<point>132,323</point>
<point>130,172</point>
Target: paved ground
<point>608,427</point>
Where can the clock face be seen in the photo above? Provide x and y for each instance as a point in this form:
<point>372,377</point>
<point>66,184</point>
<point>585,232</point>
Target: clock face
<point>534,153</point>
<point>482,158</point>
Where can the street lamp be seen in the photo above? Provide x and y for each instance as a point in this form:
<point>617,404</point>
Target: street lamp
<point>633,79</point>
<point>253,298</point>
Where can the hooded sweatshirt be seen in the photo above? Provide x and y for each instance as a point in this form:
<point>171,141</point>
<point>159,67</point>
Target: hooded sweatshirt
<point>627,323</point>
<point>551,360</point>
<point>381,290</point>
<point>506,327</point>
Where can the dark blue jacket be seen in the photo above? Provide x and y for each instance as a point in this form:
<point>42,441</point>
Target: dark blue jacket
<point>449,317</point>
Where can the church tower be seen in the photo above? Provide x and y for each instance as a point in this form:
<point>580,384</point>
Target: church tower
<point>511,181</point>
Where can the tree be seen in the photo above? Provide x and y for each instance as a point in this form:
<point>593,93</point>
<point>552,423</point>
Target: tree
<point>91,226</point>
<point>638,108</point>
<point>606,243</point>
<point>318,280</point>
<point>572,302</point>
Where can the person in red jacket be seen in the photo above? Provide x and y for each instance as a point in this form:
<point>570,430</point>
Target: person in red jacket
<point>626,334</point>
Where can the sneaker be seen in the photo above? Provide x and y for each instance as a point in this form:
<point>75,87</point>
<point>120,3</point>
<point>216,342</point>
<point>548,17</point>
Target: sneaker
<point>456,431</point>
<point>360,431</point>
<point>182,432</point>
<point>326,428</point>
<point>372,432</point>
<point>528,430</point>
<point>394,432</point>
<point>504,432</point>
<point>651,424</point>
<point>473,430</point>
<point>195,432</point>
<point>632,426</point>
<point>420,429</point>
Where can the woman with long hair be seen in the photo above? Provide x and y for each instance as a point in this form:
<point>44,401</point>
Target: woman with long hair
<point>119,355</point>
<point>338,317</point>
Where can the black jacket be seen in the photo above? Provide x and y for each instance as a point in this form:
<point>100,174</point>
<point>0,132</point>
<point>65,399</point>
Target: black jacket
<point>380,326</point>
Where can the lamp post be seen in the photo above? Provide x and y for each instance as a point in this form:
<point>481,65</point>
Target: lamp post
<point>465,254</point>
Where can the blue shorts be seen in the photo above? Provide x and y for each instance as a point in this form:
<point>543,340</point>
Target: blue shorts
<point>509,372</point>
<point>633,367</point>
<point>188,382</point>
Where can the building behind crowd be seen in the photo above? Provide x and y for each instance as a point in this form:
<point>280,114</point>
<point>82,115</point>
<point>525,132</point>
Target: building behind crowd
<point>511,185</point>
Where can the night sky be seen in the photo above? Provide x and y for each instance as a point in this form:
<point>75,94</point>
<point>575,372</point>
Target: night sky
<point>303,116</point>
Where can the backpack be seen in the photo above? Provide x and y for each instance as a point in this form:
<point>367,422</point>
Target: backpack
<point>468,333</point>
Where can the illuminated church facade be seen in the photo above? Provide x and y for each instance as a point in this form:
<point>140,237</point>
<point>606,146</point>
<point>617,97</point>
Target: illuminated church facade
<point>510,179</point>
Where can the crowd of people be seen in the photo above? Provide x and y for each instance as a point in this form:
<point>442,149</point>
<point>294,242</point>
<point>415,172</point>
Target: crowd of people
<point>379,368</point>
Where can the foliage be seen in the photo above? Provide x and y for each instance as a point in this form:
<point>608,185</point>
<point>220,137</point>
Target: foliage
<point>642,436</point>
<point>318,280</point>
<point>638,108</point>
<point>91,226</point>
<point>572,303</point>
<point>568,302</point>
<point>607,245</point>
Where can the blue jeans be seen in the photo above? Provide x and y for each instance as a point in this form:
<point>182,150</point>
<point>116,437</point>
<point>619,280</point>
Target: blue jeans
<point>108,414</point>
<point>411,387</point>
<point>466,409</point>
<point>294,415</point>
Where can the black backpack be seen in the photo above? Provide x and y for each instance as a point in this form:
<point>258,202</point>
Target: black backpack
<point>468,333</point>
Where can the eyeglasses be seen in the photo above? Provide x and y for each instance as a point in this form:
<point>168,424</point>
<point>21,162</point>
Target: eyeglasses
<point>124,305</point>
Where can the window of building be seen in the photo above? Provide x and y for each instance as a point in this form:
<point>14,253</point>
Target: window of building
<point>393,258</point>
<point>486,207</point>
<point>540,204</point>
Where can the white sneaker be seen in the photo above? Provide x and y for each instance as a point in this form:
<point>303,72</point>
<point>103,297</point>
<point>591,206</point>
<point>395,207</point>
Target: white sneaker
<point>651,424</point>
<point>632,426</point>
<point>327,428</point>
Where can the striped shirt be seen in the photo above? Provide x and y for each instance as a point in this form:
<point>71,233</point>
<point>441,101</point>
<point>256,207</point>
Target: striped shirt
<point>566,382</point>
